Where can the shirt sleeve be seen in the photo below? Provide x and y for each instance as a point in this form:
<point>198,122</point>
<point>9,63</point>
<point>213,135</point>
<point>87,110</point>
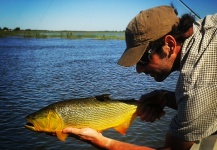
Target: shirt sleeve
<point>197,114</point>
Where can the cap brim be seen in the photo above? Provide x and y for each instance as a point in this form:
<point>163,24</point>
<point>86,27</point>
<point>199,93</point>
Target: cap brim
<point>131,56</point>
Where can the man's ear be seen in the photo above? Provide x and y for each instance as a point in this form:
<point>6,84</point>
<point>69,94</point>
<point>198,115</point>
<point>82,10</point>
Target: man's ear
<point>170,42</point>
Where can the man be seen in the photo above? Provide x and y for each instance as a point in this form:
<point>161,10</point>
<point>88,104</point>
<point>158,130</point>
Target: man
<point>158,43</point>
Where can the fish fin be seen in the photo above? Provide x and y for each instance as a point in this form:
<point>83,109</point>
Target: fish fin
<point>61,136</point>
<point>122,128</point>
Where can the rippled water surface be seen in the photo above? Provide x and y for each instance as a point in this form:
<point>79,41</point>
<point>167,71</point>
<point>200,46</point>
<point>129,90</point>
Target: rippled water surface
<point>38,72</point>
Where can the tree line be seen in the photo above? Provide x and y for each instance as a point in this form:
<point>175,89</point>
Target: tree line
<point>7,29</point>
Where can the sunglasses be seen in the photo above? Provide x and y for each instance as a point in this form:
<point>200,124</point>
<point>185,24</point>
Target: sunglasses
<point>145,58</point>
<point>147,55</point>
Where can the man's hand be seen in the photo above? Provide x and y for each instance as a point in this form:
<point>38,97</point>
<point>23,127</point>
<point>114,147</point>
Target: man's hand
<point>151,106</point>
<point>83,134</point>
<point>89,135</point>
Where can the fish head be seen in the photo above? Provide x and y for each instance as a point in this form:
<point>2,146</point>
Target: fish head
<point>44,120</point>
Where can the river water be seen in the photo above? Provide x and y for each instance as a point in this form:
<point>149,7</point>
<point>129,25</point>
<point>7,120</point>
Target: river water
<point>37,72</point>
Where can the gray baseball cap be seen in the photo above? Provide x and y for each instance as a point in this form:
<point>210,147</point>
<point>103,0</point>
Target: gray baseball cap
<point>148,26</point>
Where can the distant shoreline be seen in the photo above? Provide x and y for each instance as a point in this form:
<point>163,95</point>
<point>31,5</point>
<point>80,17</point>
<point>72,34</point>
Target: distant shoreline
<point>102,35</point>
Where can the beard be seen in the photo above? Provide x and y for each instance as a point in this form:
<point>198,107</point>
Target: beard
<point>160,77</point>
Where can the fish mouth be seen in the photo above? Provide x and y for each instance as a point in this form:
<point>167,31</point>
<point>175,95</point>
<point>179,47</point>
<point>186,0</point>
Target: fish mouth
<point>30,126</point>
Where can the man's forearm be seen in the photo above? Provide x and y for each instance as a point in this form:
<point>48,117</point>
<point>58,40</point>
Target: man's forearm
<point>118,145</point>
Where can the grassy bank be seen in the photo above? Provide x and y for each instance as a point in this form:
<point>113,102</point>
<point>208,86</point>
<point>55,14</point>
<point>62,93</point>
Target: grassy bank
<point>103,35</point>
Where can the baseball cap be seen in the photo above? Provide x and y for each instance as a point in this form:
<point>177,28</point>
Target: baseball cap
<point>148,26</point>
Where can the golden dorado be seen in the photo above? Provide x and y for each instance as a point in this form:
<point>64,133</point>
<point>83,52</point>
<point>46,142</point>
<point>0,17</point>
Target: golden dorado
<point>99,113</point>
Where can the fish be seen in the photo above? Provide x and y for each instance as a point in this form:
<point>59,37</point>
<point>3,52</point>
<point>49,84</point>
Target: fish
<point>98,112</point>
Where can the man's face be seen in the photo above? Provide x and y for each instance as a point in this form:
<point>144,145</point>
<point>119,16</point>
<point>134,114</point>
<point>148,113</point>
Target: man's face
<point>159,66</point>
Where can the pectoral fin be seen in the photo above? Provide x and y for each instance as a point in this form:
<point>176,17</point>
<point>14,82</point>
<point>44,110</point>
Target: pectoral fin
<point>61,136</point>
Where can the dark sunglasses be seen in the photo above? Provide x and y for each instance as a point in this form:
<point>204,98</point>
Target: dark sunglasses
<point>145,58</point>
<point>147,55</point>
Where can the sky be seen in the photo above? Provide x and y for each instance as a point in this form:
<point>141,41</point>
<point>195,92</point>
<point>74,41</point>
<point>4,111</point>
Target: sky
<point>86,15</point>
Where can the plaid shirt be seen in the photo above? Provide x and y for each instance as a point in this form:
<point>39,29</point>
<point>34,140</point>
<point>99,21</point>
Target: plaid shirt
<point>196,90</point>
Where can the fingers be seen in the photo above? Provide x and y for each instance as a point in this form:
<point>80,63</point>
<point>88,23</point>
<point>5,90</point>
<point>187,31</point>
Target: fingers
<point>84,133</point>
<point>72,130</point>
<point>151,113</point>
<point>81,134</point>
<point>151,106</point>
<point>149,96</point>
<point>76,131</point>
